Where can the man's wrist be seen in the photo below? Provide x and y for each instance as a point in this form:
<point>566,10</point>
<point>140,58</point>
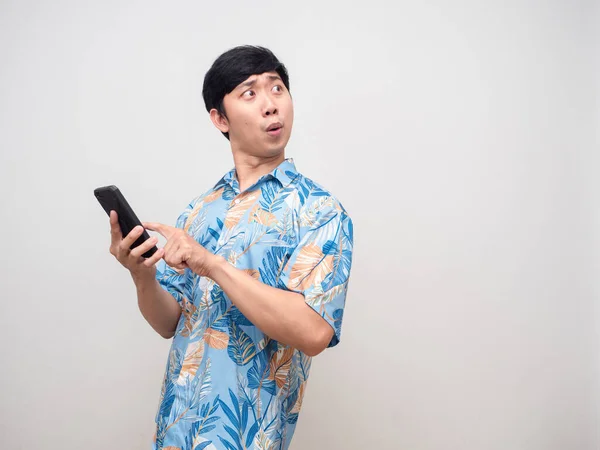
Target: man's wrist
<point>217,265</point>
<point>144,277</point>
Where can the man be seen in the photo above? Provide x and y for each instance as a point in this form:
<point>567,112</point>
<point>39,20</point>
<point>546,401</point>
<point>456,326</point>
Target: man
<point>252,280</point>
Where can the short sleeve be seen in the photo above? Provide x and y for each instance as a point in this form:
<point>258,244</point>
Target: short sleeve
<point>168,278</point>
<point>319,267</point>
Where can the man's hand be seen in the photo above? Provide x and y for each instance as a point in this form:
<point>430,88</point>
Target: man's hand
<point>182,251</point>
<point>132,259</point>
<point>159,308</point>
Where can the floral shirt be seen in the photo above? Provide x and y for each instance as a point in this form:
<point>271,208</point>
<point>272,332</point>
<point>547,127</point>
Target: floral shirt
<point>228,385</point>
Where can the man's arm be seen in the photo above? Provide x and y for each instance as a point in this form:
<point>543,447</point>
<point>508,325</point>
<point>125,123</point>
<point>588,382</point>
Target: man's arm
<point>281,315</point>
<point>158,307</point>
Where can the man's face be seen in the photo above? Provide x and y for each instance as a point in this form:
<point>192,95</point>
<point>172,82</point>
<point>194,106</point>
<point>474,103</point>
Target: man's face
<point>260,115</point>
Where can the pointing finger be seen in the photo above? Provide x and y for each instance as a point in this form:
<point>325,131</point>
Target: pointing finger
<point>154,226</point>
<point>164,230</point>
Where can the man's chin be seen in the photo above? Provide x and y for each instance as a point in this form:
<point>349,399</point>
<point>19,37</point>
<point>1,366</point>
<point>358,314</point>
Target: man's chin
<point>273,153</point>
<point>264,152</point>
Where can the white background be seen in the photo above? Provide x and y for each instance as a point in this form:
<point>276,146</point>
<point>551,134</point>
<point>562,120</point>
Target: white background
<point>462,137</point>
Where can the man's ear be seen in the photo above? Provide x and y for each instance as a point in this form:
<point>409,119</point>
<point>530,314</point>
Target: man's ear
<point>219,120</point>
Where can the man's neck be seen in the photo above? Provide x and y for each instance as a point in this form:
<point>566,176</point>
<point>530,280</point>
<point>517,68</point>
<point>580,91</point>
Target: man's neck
<point>249,169</point>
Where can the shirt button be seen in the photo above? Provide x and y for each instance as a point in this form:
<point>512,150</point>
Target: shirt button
<point>237,201</point>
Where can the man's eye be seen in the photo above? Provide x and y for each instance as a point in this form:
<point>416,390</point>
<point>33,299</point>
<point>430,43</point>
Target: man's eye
<point>277,88</point>
<point>248,93</point>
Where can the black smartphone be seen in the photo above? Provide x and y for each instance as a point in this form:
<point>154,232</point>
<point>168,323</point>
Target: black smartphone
<point>111,199</point>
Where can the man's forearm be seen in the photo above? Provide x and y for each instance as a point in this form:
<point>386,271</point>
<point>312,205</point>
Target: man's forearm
<point>158,307</point>
<point>282,315</point>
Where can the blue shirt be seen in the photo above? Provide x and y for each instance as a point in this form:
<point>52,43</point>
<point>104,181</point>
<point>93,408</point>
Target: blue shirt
<point>227,385</point>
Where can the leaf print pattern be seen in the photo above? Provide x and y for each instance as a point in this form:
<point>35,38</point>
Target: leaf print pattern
<point>280,366</point>
<point>201,443</point>
<point>253,273</point>
<point>241,349</point>
<point>216,339</point>
<point>298,403</point>
<point>262,217</point>
<point>193,357</point>
<point>227,385</point>
<point>243,203</point>
<point>214,195</point>
<point>311,267</point>
<point>188,310</point>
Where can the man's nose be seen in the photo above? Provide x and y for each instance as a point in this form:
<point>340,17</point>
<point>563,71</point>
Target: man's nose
<point>270,108</point>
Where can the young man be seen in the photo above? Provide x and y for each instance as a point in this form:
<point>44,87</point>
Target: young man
<point>252,280</point>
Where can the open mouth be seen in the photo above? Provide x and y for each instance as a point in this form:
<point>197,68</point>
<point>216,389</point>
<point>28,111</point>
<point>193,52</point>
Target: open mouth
<point>274,129</point>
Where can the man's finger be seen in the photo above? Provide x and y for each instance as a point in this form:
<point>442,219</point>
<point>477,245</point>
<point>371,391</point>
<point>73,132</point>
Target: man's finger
<point>132,237</point>
<point>115,229</point>
<point>170,246</point>
<point>144,247</point>
<point>179,268</point>
<point>161,229</point>
<point>149,262</point>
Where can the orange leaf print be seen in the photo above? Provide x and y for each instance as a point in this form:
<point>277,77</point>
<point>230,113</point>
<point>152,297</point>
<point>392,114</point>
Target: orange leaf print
<point>311,267</point>
<point>261,216</point>
<point>253,273</point>
<point>170,447</point>
<point>280,366</point>
<point>193,357</point>
<point>188,310</point>
<point>237,211</point>
<point>193,214</point>
<point>214,195</point>
<point>216,339</point>
<point>298,404</point>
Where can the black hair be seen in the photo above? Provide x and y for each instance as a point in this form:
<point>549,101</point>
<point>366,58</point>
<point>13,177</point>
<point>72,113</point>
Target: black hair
<point>235,66</point>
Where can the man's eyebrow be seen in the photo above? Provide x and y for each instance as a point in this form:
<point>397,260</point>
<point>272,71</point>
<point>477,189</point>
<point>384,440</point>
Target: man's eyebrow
<point>247,83</point>
<point>251,83</point>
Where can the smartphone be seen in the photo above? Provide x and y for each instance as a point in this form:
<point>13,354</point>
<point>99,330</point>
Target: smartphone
<point>111,199</point>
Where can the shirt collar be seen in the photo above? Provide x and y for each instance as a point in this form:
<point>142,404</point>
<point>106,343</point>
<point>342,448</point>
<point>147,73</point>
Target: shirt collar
<point>285,173</point>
